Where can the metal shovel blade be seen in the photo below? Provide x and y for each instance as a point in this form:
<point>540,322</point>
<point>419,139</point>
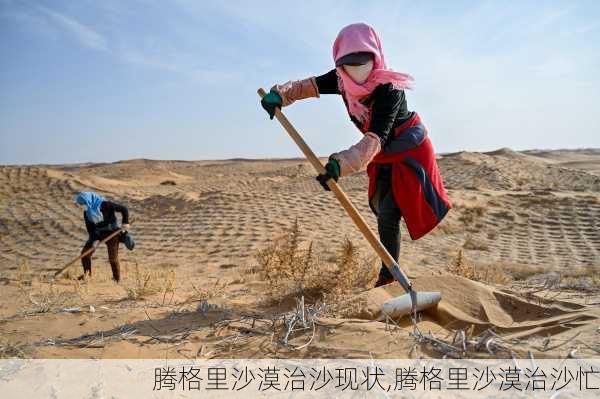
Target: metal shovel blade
<point>402,305</point>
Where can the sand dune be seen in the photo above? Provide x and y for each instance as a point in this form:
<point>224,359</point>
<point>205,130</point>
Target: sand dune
<point>205,220</point>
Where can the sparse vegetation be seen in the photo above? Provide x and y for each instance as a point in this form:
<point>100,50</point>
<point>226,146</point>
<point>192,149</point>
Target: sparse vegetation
<point>581,278</point>
<point>48,298</point>
<point>292,268</point>
<point>304,289</point>
<point>24,277</point>
<point>148,282</point>
<point>487,274</point>
<point>206,293</point>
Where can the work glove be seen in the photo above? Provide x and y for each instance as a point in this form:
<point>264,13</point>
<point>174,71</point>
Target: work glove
<point>270,101</point>
<point>125,227</point>
<point>332,171</point>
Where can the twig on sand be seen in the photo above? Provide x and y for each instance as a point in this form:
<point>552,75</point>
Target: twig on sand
<point>303,318</point>
<point>461,346</point>
<point>280,329</point>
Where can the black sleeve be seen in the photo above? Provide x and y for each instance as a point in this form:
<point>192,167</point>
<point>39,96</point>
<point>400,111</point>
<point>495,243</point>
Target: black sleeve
<point>122,210</point>
<point>387,101</point>
<point>89,226</point>
<point>328,83</point>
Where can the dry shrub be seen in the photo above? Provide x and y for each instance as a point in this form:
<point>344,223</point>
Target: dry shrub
<point>362,271</point>
<point>290,267</point>
<point>581,271</point>
<point>286,267</point>
<point>24,276</point>
<point>50,299</point>
<point>169,285</point>
<point>487,274</point>
<point>206,293</point>
<point>347,263</point>
<point>353,271</point>
<point>584,278</point>
<point>148,282</point>
<point>461,268</point>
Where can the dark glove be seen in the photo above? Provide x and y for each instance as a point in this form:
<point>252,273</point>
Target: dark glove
<point>332,171</point>
<point>271,101</point>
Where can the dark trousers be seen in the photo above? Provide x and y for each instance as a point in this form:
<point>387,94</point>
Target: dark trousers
<point>388,220</point>
<point>113,256</point>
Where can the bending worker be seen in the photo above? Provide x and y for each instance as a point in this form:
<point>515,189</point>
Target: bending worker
<point>395,150</point>
<point>100,222</point>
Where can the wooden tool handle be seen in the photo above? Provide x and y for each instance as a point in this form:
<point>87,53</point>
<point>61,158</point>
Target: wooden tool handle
<point>89,251</point>
<point>340,195</point>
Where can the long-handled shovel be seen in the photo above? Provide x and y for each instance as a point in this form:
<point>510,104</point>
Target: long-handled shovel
<point>86,253</point>
<point>412,301</point>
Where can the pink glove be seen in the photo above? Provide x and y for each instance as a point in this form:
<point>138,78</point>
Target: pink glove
<point>297,90</point>
<point>356,158</point>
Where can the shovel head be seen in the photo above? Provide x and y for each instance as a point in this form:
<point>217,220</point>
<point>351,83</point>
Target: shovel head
<point>402,305</point>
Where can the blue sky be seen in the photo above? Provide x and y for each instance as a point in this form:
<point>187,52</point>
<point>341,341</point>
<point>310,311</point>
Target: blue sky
<point>109,80</point>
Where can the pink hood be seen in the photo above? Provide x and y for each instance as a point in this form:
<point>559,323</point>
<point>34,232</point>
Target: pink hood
<point>361,37</point>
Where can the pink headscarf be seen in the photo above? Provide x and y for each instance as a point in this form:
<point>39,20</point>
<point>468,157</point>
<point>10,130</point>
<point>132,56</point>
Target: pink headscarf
<point>361,37</point>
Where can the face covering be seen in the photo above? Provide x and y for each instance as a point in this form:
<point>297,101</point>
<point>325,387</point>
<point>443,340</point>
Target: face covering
<point>359,73</point>
<point>356,38</point>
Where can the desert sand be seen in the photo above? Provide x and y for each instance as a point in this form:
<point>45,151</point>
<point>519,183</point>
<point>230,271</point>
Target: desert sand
<point>517,260</point>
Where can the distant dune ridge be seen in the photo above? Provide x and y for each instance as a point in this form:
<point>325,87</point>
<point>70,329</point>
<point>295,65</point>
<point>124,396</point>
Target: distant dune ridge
<point>536,210</point>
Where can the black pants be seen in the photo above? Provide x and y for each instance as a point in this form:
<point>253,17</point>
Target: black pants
<point>388,220</point>
<point>112,246</point>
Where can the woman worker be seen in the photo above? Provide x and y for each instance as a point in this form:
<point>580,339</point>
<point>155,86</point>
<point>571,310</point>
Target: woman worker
<point>395,150</point>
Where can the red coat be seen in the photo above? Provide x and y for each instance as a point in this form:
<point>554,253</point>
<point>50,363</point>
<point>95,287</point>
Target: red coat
<point>416,181</point>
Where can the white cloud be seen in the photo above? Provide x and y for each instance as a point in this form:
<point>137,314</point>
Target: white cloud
<point>85,35</point>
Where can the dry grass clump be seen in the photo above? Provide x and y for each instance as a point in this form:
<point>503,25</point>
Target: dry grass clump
<point>288,269</point>
<point>347,262</point>
<point>48,298</point>
<point>24,276</point>
<point>581,278</point>
<point>489,274</point>
<point>583,271</point>
<point>206,293</point>
<point>145,282</point>
<point>291,267</point>
<point>584,278</point>
<point>353,271</point>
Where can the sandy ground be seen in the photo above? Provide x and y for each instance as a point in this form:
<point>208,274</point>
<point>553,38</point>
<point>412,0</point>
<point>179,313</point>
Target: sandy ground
<point>525,224</point>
